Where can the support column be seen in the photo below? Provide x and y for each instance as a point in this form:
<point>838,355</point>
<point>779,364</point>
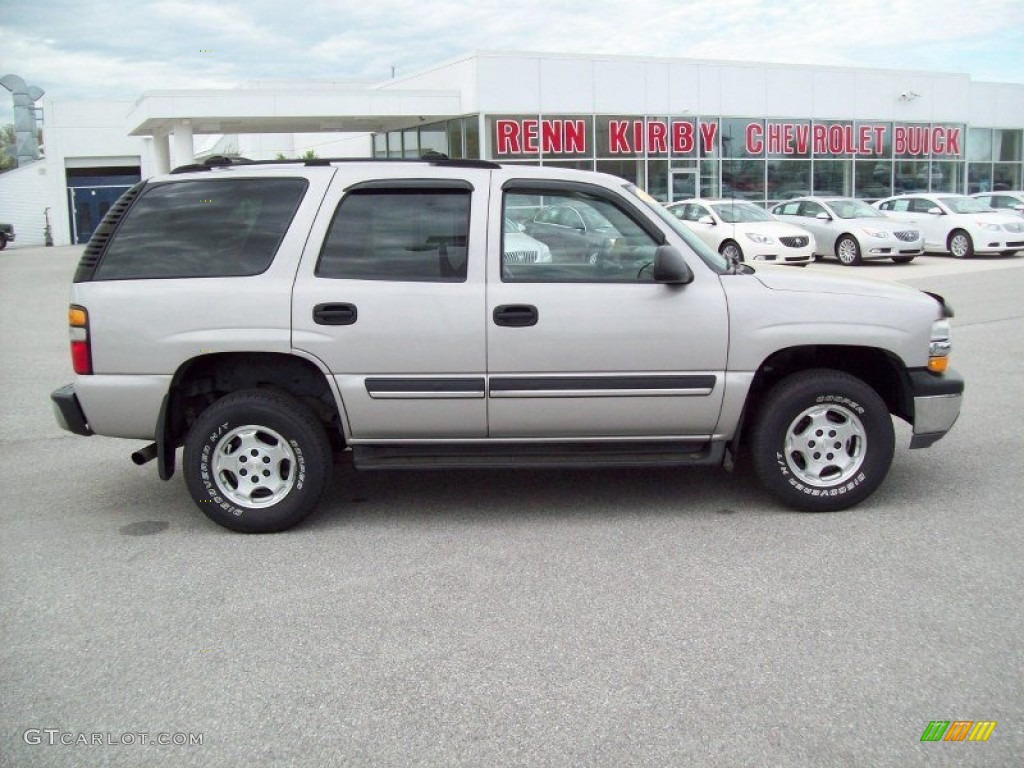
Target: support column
<point>161,153</point>
<point>184,154</point>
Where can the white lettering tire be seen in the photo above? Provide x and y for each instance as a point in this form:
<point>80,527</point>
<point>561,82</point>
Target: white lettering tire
<point>823,441</point>
<point>257,461</point>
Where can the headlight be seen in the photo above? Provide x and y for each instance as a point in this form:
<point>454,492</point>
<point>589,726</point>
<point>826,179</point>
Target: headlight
<point>762,239</point>
<point>990,227</point>
<point>881,234</point>
<point>940,346</point>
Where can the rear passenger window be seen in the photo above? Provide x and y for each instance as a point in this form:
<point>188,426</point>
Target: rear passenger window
<point>414,234</point>
<point>208,228</point>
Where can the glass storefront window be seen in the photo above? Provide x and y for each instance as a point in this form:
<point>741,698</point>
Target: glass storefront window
<point>979,177</point>
<point>410,143</point>
<point>631,170</point>
<point>710,185</point>
<point>788,179</point>
<point>911,176</point>
<point>1006,176</point>
<point>832,177</point>
<point>710,126</point>
<point>979,145</point>
<point>455,138</point>
<point>789,139</point>
<point>620,136</point>
<point>434,138</point>
<point>657,179</point>
<point>566,137</point>
<point>1006,145</point>
<point>743,179</point>
<point>684,138</point>
<point>380,145</point>
<point>742,137</point>
<point>873,179</point>
<point>832,140</point>
<point>472,134</point>
<point>580,165</point>
<point>876,137</point>
<point>945,176</point>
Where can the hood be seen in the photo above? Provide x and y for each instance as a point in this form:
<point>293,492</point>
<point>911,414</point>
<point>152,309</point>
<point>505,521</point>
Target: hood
<point>879,222</point>
<point>781,278</point>
<point>773,228</point>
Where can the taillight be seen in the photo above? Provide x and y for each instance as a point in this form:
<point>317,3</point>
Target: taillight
<point>81,352</point>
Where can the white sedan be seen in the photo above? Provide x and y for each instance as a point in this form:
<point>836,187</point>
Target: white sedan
<point>1004,202</point>
<point>742,231</point>
<point>851,230</point>
<point>957,224</point>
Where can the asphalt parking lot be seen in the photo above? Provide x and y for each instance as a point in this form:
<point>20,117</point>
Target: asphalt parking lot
<point>528,618</point>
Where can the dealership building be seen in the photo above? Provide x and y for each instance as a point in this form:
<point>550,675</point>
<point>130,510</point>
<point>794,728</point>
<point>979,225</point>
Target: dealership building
<point>678,128</point>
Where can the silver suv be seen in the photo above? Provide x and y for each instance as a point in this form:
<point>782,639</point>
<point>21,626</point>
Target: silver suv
<point>265,317</point>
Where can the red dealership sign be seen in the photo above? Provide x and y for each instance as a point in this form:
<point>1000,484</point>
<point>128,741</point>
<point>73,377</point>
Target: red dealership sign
<point>570,137</point>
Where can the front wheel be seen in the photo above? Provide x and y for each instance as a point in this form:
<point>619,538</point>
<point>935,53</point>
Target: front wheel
<point>257,461</point>
<point>848,251</point>
<point>960,244</point>
<point>732,252</point>
<point>824,441</point>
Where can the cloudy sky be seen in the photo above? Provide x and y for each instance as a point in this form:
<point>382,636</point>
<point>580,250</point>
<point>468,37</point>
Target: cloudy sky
<point>118,48</point>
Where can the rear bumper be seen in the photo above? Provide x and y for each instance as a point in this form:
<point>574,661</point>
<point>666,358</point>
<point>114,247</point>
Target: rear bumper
<point>937,399</point>
<point>68,411</point>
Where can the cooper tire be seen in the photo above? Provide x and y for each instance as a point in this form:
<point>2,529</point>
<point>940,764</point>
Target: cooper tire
<point>824,441</point>
<point>257,461</point>
<point>848,251</point>
<point>960,244</point>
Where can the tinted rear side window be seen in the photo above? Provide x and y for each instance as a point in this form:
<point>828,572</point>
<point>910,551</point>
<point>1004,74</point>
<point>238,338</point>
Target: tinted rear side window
<point>207,228</point>
<point>413,234</point>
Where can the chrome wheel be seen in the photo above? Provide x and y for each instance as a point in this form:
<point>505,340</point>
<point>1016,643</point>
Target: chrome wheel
<point>847,251</point>
<point>253,466</point>
<point>732,252</point>
<point>960,245</point>
<point>825,445</point>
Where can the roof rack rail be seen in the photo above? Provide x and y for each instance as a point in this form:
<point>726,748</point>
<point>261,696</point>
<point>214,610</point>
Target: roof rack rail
<point>431,157</point>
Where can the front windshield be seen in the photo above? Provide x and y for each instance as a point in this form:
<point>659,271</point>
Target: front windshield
<point>709,256</point>
<point>853,209</point>
<point>960,204</point>
<point>734,213</point>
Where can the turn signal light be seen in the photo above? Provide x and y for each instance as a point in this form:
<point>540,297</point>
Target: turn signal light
<point>81,349</point>
<point>938,364</point>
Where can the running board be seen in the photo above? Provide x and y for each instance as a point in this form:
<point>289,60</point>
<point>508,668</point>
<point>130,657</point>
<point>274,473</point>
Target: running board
<point>537,455</point>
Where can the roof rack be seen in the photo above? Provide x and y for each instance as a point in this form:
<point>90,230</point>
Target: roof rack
<point>431,157</point>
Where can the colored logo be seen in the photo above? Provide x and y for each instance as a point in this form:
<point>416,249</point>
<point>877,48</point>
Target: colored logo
<point>958,730</point>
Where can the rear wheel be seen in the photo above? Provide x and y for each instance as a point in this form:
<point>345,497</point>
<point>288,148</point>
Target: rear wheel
<point>848,251</point>
<point>3,241</point>
<point>257,461</point>
<point>960,244</point>
<point>824,441</point>
<point>903,259</point>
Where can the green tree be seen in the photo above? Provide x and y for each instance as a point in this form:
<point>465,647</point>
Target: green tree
<point>7,139</point>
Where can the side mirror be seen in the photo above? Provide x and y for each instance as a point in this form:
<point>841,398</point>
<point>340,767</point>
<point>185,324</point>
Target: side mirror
<point>706,220</point>
<point>670,267</point>
<point>936,211</point>
<point>823,216</point>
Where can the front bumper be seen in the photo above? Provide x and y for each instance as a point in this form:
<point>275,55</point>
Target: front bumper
<point>937,399</point>
<point>68,411</point>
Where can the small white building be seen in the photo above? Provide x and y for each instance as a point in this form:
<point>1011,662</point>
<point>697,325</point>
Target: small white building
<point>677,127</point>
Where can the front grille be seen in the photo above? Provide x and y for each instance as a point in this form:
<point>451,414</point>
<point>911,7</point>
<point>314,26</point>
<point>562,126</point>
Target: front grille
<point>1015,244</point>
<point>520,257</point>
<point>907,235</point>
<point>794,242</point>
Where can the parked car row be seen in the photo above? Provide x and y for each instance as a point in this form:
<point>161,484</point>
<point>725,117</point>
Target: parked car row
<point>899,228</point>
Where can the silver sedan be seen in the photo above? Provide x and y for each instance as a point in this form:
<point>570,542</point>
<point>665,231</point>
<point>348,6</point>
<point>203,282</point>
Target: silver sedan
<point>851,230</point>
